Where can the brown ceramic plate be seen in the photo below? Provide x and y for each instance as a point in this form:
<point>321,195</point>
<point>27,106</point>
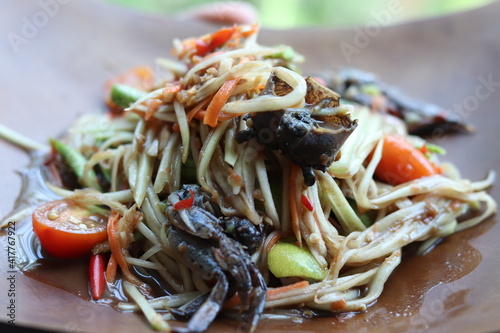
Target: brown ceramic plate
<point>53,71</point>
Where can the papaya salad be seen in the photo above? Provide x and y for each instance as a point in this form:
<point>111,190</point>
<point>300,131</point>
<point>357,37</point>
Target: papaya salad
<point>246,188</point>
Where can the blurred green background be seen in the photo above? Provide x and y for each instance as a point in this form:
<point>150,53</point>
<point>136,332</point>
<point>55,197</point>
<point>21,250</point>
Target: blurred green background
<point>284,14</point>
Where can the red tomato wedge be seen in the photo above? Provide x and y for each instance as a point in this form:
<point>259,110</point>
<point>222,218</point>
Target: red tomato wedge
<point>401,162</point>
<point>67,230</point>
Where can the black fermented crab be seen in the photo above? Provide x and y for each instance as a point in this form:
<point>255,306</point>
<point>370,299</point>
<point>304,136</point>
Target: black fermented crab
<point>198,239</point>
<point>309,141</point>
<point>420,118</point>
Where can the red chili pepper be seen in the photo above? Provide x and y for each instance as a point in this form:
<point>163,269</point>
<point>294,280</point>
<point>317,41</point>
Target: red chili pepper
<point>218,39</point>
<point>97,266</point>
<point>307,203</point>
<point>186,203</point>
<point>202,47</point>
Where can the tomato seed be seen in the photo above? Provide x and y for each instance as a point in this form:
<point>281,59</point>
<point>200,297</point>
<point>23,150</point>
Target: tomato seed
<point>52,216</point>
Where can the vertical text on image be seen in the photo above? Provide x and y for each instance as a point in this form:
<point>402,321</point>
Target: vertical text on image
<point>11,273</point>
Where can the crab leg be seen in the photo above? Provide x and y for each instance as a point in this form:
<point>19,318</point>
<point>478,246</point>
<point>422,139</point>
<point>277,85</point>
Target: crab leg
<point>207,312</point>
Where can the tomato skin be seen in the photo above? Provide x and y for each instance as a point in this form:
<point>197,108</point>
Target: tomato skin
<point>62,238</point>
<point>401,162</point>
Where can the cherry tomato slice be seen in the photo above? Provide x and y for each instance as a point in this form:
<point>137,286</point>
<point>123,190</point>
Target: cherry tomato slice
<point>67,230</point>
<point>401,162</point>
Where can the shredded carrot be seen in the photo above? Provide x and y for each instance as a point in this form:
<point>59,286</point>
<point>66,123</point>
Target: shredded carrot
<point>200,115</point>
<point>272,294</point>
<point>294,212</point>
<point>191,113</point>
<point>220,98</point>
<point>111,270</point>
<point>116,248</point>
<point>176,128</point>
<point>275,293</point>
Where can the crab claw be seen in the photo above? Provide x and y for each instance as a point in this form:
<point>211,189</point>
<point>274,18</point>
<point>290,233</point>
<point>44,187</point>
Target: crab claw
<point>233,261</point>
<point>258,300</point>
<point>207,312</point>
<point>196,238</point>
<point>199,257</point>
